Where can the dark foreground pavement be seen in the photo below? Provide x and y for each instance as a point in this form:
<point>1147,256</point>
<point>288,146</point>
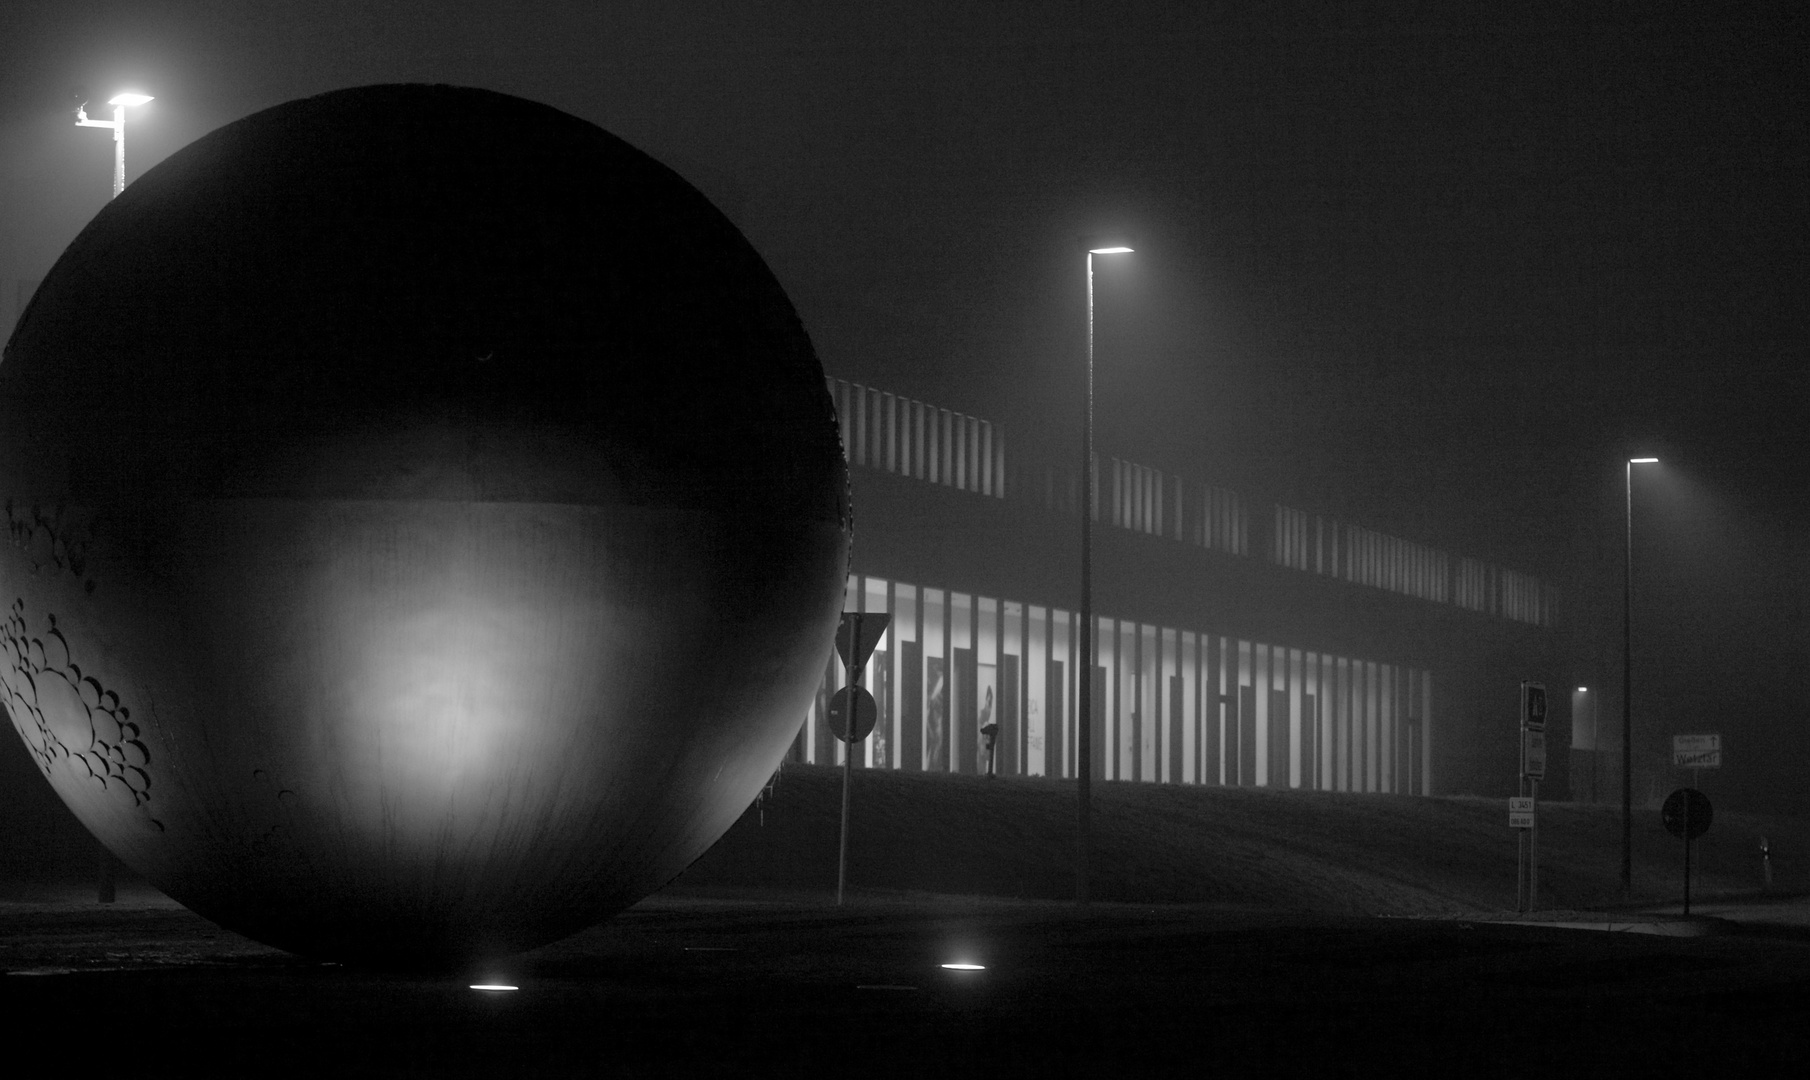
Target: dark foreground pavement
<point>770,985</point>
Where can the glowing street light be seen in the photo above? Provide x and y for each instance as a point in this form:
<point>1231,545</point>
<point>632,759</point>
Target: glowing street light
<point>1084,749</point>
<point>1627,681</point>
<point>120,103</point>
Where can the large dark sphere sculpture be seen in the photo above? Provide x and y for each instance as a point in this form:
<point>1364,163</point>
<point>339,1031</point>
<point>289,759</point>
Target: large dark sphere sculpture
<point>427,525</point>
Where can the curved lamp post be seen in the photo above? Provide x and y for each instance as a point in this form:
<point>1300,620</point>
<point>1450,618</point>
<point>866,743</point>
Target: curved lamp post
<point>120,102</point>
<point>1627,681</point>
<point>1084,719</point>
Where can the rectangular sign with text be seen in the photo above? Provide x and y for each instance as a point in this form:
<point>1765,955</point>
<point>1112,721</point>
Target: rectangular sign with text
<point>1533,754</point>
<point>1697,751</point>
<point>1520,813</point>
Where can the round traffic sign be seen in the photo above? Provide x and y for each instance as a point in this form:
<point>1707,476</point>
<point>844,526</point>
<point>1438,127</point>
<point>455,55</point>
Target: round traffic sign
<point>866,713</point>
<point>1686,808</point>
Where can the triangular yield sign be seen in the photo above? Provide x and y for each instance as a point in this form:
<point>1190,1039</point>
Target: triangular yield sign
<point>867,630</point>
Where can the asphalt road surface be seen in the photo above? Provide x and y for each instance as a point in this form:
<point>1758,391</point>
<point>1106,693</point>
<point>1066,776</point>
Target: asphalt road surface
<point>792,985</point>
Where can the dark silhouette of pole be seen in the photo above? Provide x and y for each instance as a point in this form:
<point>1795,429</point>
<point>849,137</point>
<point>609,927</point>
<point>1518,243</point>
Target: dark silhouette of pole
<point>848,755</point>
<point>1687,854</point>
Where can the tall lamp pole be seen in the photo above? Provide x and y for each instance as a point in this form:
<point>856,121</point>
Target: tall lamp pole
<point>105,890</point>
<point>118,124</point>
<point>1627,681</point>
<point>1084,742</point>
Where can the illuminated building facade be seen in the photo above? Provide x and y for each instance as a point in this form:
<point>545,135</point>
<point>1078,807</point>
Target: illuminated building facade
<point>1237,642</point>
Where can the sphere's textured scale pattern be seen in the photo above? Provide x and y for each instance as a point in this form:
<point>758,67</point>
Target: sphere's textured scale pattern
<point>426,524</point>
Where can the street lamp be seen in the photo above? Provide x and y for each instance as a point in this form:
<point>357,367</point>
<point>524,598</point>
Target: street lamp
<point>1627,681</point>
<point>119,102</point>
<point>1084,742</point>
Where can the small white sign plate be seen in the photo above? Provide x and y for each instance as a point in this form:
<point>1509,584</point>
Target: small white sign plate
<point>1697,751</point>
<point>1520,813</point>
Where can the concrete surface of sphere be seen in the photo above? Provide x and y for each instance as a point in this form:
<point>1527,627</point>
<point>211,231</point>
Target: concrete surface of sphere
<point>427,525</point>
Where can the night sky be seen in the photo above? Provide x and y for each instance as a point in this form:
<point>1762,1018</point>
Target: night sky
<point>1436,269</point>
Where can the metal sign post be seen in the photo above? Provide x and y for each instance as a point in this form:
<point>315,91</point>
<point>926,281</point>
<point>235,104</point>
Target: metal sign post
<point>1533,851</point>
<point>852,711</point>
<point>1686,813</point>
<point>1521,844</point>
<point>1521,850</point>
<point>1520,819</point>
<point>848,760</point>
<point>1533,770</point>
<point>1696,753</point>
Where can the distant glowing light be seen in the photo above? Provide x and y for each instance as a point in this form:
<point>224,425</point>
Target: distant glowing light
<point>1108,251</point>
<point>965,967</point>
<point>1583,689</point>
<point>133,100</point>
<point>1642,460</point>
<point>493,986</point>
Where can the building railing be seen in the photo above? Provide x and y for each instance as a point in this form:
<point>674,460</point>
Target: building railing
<point>910,438</point>
<point>1147,500</point>
<point>907,437</point>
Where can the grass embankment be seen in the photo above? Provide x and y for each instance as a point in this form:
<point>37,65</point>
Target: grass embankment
<point>1323,851</point>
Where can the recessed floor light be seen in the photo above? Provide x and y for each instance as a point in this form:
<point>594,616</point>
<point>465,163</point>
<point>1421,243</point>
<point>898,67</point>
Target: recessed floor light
<point>493,986</point>
<point>965,967</point>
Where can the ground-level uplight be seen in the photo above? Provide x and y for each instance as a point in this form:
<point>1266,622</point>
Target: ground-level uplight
<point>965,967</point>
<point>493,986</point>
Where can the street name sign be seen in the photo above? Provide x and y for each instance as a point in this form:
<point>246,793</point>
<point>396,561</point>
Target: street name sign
<point>1697,751</point>
<point>1520,813</point>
